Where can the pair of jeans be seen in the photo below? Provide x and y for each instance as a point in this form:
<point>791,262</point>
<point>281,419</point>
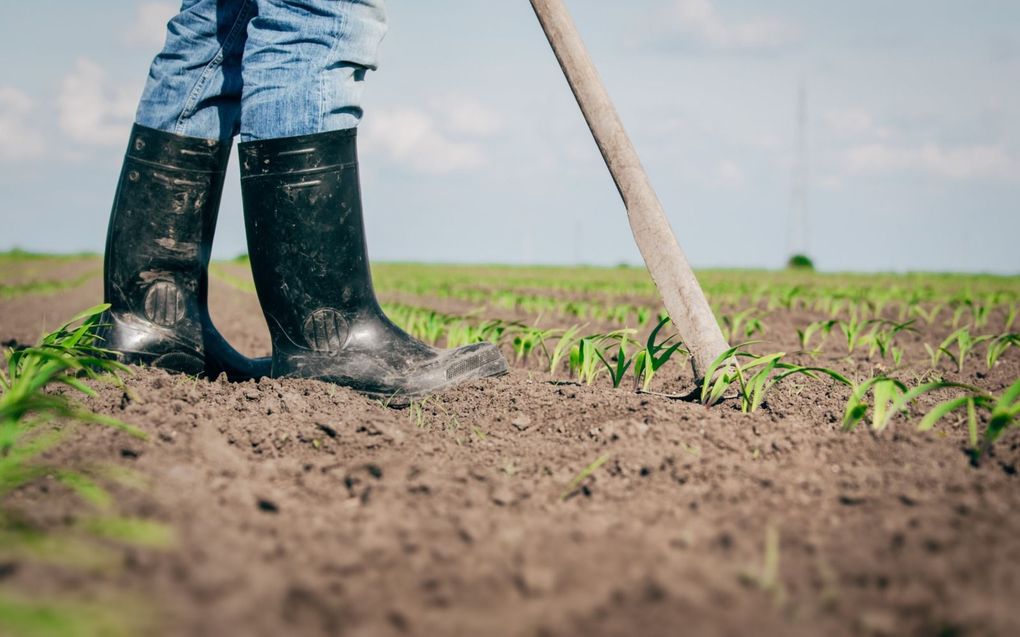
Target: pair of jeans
<point>263,69</point>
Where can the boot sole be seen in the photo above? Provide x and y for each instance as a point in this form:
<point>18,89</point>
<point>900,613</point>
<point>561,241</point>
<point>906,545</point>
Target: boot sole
<point>494,369</point>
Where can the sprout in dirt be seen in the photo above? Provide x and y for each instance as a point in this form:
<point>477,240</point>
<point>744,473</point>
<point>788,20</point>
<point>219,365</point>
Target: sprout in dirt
<point>649,360</point>
<point>1003,412</point>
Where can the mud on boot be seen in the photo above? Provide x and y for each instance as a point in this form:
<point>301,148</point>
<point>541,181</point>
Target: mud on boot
<point>306,239</point>
<point>157,258</point>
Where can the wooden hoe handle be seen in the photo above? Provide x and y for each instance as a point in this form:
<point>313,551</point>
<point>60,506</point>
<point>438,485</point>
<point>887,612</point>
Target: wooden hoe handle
<point>681,294</point>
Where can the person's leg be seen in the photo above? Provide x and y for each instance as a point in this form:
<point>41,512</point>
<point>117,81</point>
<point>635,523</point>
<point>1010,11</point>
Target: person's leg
<point>304,64</point>
<point>194,85</point>
<point>165,208</point>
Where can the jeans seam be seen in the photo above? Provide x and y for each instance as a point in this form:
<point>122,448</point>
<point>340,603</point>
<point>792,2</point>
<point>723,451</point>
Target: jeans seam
<point>342,24</point>
<point>211,68</point>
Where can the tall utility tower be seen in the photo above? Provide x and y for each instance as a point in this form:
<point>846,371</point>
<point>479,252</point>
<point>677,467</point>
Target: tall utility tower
<point>799,230</point>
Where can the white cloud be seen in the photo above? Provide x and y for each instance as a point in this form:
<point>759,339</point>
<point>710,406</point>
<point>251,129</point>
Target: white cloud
<point>427,142</point>
<point>963,164</point>
<point>855,123</point>
<point>727,175</point>
<point>466,116</point>
<point>699,20</point>
<point>91,110</point>
<point>19,138</point>
<point>149,26</point>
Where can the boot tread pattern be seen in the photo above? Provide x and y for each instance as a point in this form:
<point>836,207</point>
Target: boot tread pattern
<point>486,356</point>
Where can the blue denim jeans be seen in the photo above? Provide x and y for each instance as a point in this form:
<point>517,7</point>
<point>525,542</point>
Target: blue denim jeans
<point>263,69</point>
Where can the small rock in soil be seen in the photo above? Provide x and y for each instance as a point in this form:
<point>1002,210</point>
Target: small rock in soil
<point>521,423</point>
<point>535,580</point>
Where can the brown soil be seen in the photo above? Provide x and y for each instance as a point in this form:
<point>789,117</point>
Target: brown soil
<point>304,509</point>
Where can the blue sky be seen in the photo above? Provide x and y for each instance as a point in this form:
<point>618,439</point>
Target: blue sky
<point>474,151</point>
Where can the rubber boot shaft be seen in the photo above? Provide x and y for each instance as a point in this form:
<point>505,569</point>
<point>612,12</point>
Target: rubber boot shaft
<point>306,239</point>
<point>157,257</point>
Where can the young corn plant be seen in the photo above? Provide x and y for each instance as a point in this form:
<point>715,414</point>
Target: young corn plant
<point>959,305</point>
<point>853,330</point>
<point>588,355</point>
<point>618,366</point>
<point>1002,412</point>
<point>649,360</point>
<point>67,357</point>
<point>755,378</point>
<point>889,397</point>
<point>930,314</point>
<point>583,475</point>
<point>584,360</point>
<point>818,327</point>
<point>998,346</point>
<point>432,326</point>
<point>979,312</point>
<point>564,344</point>
<point>742,325</point>
<point>965,344</point>
<point>643,314</point>
<point>464,332</point>
<point>883,336</point>
<point>527,339</point>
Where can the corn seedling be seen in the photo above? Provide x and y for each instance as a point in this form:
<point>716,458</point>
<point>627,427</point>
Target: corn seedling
<point>584,475</point>
<point>853,330</point>
<point>33,618</point>
<point>654,355</point>
<point>897,356</point>
<point>965,344</point>
<point>969,304</point>
<point>883,335</point>
<point>67,357</point>
<point>464,333</point>
<point>889,397</point>
<point>1003,413</point>
<point>818,327</point>
<point>621,362</point>
<point>526,340</point>
<point>563,347</point>
<point>587,355</point>
<point>928,315</point>
<point>998,346</point>
<point>767,577</point>
<point>753,379</point>
<point>742,325</point>
<point>643,314</point>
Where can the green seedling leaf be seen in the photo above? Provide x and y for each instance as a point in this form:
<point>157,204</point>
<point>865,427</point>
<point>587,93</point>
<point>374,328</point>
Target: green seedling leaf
<point>133,531</point>
<point>86,488</point>
<point>584,475</point>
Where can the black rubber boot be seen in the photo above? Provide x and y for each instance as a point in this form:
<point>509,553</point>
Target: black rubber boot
<point>306,239</point>
<point>157,258</point>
